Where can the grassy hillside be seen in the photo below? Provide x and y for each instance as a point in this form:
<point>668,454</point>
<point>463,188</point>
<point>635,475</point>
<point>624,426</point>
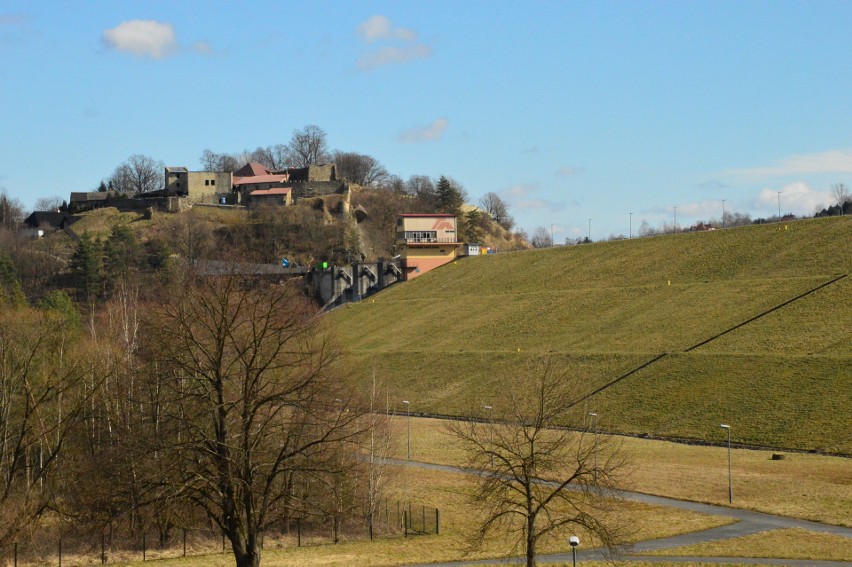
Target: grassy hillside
<point>450,339</point>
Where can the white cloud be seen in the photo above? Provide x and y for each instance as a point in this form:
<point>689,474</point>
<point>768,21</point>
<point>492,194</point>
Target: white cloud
<point>390,55</point>
<point>522,197</point>
<point>835,161</point>
<point>380,27</point>
<point>433,131</point>
<point>797,198</point>
<point>144,38</point>
<point>403,43</point>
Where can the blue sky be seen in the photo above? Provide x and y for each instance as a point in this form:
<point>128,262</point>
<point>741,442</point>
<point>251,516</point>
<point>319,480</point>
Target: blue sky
<point>569,110</point>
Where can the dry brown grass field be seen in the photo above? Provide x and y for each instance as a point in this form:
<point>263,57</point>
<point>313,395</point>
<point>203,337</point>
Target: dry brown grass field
<point>781,544</point>
<point>788,486</point>
<point>449,492</point>
<point>801,485</point>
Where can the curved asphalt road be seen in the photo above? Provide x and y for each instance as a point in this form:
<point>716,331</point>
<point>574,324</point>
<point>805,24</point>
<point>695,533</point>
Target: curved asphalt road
<point>749,522</point>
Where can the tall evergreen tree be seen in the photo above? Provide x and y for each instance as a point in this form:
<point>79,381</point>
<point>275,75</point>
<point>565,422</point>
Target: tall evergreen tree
<point>449,198</point>
<point>120,254</point>
<point>86,265</point>
<point>10,286</point>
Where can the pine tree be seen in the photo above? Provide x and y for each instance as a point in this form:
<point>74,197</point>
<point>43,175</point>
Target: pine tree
<point>120,254</point>
<point>449,199</point>
<point>10,286</point>
<point>86,266</point>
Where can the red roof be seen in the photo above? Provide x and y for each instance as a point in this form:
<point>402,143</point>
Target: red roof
<point>260,179</point>
<point>441,215</point>
<point>251,169</point>
<point>274,191</point>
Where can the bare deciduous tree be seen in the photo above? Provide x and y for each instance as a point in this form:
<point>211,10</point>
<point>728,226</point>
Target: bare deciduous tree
<point>11,211</point>
<point>841,195</point>
<point>497,208</point>
<point>541,238</point>
<point>537,478</point>
<point>139,174</point>
<point>308,146</point>
<point>257,401</point>
<point>359,168</point>
<point>423,188</point>
<point>48,203</point>
<point>211,161</point>
<point>40,403</point>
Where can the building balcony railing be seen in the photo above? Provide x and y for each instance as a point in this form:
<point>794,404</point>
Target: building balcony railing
<point>451,240</point>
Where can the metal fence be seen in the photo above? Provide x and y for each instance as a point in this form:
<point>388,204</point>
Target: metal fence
<point>391,518</point>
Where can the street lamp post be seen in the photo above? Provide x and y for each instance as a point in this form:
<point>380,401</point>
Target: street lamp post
<point>595,415</point>
<point>631,226</point>
<point>490,433</point>
<point>723,213</point>
<point>408,418</point>
<point>552,242</point>
<point>589,237</point>
<point>674,228</point>
<point>730,479</point>
<point>779,206</point>
<point>574,541</point>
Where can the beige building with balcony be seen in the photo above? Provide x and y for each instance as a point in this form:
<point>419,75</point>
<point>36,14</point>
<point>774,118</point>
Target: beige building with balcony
<point>425,242</point>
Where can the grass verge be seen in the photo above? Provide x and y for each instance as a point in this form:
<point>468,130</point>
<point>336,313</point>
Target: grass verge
<point>778,544</point>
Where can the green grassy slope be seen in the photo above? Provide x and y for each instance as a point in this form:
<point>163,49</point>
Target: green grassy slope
<point>450,339</point>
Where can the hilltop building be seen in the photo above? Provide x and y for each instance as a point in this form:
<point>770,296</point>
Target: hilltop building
<point>252,182</point>
<point>425,241</point>
<point>198,186</point>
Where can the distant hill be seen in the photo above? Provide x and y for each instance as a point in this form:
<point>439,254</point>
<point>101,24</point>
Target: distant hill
<point>672,335</point>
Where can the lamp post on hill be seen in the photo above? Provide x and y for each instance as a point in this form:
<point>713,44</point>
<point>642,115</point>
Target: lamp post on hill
<point>574,541</point>
<point>631,226</point>
<point>730,480</point>
<point>723,213</point>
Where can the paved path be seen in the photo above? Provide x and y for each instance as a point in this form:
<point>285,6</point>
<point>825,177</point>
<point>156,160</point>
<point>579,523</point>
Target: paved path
<point>749,522</point>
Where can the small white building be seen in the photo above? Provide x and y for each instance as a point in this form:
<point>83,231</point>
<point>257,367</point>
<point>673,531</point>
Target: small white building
<point>472,249</point>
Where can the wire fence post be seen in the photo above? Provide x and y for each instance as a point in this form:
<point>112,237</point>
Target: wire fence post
<point>103,548</point>
<point>184,542</point>
<point>143,545</point>
<point>405,523</point>
<point>15,560</point>
<point>60,552</point>
<point>437,522</point>
<point>299,532</point>
<point>423,522</point>
<point>223,541</point>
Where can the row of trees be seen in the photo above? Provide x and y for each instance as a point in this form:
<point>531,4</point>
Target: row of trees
<point>214,396</point>
<point>222,397</point>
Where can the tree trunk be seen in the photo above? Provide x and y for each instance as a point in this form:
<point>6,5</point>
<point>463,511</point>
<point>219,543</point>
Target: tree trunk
<point>531,541</point>
<point>246,554</point>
